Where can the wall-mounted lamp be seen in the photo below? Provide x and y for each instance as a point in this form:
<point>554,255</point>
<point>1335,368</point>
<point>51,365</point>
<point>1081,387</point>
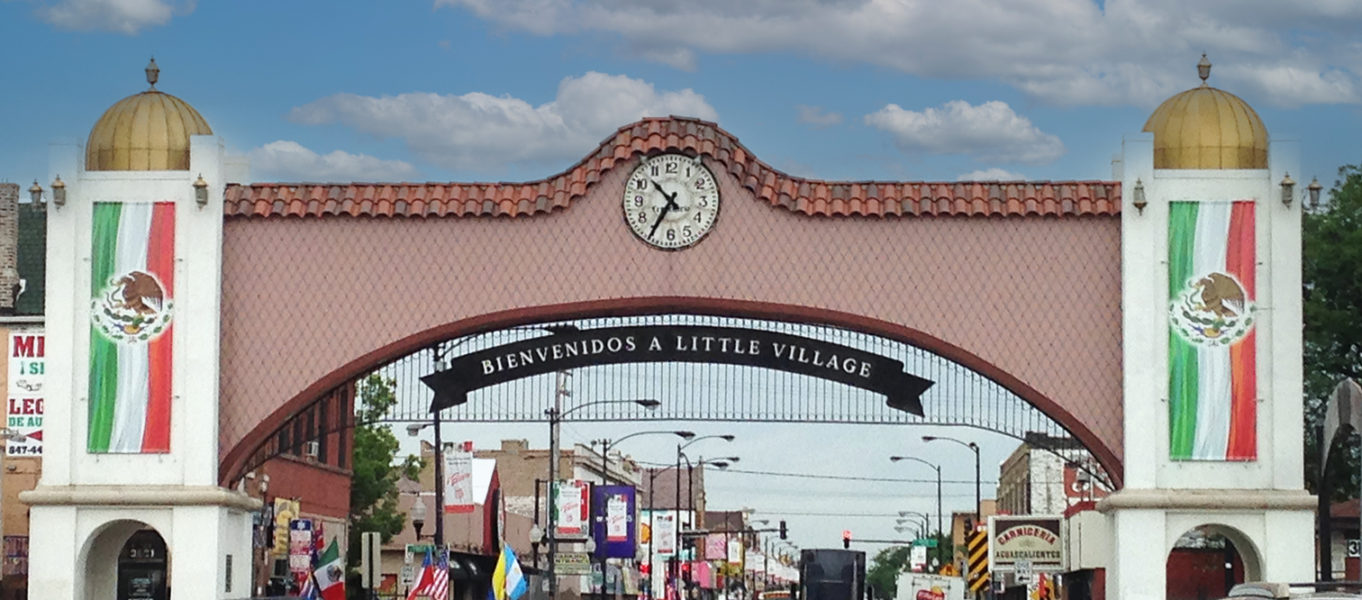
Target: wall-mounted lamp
<point>35,193</point>
<point>1314,188</point>
<point>201,191</point>
<point>1288,189</point>
<point>1139,200</point>
<point>59,192</point>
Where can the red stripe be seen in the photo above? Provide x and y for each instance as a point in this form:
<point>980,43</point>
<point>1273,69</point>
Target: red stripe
<point>161,263</point>
<point>1241,263</point>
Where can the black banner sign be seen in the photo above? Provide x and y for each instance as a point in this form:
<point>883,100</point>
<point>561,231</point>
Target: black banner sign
<point>677,343</point>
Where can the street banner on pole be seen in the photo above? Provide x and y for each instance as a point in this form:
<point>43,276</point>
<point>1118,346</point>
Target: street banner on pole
<point>613,524</point>
<point>459,479</point>
<point>571,503</point>
<point>664,533</point>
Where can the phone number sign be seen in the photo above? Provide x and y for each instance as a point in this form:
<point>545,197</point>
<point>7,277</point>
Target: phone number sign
<point>24,394</point>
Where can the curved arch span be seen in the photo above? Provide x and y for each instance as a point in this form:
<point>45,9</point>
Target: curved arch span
<point>232,465</point>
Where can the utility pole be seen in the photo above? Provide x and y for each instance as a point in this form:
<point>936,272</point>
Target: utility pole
<point>555,414</point>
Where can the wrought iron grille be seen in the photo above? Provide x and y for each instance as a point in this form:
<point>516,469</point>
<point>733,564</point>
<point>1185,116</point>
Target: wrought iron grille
<point>687,391</point>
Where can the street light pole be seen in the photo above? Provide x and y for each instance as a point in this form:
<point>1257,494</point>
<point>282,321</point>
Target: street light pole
<point>978,503</point>
<point>680,448</point>
<point>937,468</point>
<point>555,414</point>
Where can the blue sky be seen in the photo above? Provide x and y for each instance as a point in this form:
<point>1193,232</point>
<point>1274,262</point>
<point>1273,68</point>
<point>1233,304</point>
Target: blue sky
<point>520,89</point>
<point>510,90</point>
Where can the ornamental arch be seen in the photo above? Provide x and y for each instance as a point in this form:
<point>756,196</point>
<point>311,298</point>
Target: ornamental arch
<point>1019,282</point>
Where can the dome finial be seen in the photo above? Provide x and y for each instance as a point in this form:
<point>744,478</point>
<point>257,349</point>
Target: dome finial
<point>154,72</point>
<point>1203,68</point>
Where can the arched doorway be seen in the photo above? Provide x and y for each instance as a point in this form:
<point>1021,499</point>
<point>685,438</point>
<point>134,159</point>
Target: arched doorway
<point>127,560</point>
<point>1207,561</point>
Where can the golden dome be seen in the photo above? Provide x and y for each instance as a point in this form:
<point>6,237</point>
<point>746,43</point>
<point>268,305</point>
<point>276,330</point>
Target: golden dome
<point>1207,128</point>
<point>144,132</point>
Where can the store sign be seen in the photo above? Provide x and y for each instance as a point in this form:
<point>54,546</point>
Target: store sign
<point>1031,542</point>
<point>678,343</point>
<point>25,397</point>
<point>572,563</point>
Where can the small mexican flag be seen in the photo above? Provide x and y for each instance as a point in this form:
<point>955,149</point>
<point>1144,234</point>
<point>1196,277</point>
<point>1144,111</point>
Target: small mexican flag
<point>330,573</point>
<point>1212,353</point>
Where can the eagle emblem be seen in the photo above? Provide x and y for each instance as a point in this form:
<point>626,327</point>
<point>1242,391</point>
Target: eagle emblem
<point>1212,310</point>
<point>132,308</point>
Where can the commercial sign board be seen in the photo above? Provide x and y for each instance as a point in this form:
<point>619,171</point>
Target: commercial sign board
<point>664,532</point>
<point>1031,543</point>
<point>25,398</point>
<point>572,563</point>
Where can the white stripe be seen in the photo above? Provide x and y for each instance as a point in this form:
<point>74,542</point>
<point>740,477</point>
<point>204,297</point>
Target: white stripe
<point>130,409</point>
<point>1209,253</point>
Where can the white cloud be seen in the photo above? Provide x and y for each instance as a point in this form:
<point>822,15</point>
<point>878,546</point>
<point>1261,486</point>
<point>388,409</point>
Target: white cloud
<point>991,174</point>
<point>122,16</point>
<point>484,132</point>
<point>285,160</point>
<point>990,132</point>
<point>1061,51</point>
<point>814,115</point>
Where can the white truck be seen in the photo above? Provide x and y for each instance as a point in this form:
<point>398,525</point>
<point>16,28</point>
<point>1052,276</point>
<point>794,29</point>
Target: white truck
<point>924,586</point>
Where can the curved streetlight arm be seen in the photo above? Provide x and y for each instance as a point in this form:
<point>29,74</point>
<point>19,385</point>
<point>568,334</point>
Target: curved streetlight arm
<point>685,435</point>
<point>941,557</point>
<point>923,461</point>
<point>727,437</point>
<point>978,501</point>
<point>558,416</point>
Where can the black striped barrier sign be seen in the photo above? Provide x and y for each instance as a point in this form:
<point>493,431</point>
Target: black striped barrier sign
<point>977,545</point>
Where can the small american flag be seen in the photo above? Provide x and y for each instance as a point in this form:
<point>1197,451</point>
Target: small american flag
<point>439,588</point>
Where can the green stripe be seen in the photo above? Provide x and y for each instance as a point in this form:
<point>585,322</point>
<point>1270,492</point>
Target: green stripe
<point>103,353</point>
<point>1182,355</point>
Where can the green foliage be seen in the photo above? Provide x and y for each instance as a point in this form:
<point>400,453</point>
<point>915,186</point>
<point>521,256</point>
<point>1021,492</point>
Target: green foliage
<point>1332,277</point>
<point>373,487</point>
<point>883,574</point>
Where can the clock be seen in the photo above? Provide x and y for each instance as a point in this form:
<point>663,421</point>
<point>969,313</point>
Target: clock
<point>671,201</point>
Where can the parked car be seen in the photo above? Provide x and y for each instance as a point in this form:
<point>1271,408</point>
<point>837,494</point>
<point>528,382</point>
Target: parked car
<point>1263,590</point>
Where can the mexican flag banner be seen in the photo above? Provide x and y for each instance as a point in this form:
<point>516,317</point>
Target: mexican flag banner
<point>1212,354</point>
<point>132,267</point>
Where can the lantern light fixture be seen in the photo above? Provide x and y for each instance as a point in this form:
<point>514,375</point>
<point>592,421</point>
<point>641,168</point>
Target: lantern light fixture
<point>1288,189</point>
<point>35,193</point>
<point>1314,189</point>
<point>1139,200</point>
<point>201,191</point>
<point>59,191</point>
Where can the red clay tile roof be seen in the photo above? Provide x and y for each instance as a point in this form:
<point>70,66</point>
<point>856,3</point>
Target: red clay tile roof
<point>649,136</point>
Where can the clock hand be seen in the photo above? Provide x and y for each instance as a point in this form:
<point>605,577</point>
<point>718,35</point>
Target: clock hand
<point>671,199</point>
<point>660,215</point>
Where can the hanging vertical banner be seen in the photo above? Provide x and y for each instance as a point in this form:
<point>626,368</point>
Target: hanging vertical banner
<point>285,511</point>
<point>613,526</point>
<point>736,552</point>
<point>300,545</point>
<point>716,546</point>
<point>617,518</point>
<point>664,533</point>
<point>1212,352</point>
<point>571,502</point>
<point>459,479</point>
<point>132,265</point>
<point>25,399</point>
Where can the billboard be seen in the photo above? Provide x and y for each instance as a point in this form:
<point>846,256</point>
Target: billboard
<point>25,398</point>
<point>614,520</point>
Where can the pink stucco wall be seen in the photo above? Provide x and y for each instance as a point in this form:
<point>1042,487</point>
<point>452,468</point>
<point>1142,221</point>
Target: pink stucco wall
<point>1037,297</point>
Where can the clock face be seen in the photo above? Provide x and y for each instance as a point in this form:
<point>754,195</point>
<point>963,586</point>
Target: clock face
<point>671,201</point>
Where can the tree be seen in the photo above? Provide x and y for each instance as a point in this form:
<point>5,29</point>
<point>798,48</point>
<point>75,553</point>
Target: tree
<point>373,487</point>
<point>1332,277</point>
<point>883,574</point>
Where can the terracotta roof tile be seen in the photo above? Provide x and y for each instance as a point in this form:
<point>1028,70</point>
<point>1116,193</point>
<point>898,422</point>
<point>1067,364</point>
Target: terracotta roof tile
<point>808,196</point>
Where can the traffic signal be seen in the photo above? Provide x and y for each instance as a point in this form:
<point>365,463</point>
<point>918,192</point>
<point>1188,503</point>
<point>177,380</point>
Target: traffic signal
<point>784,533</point>
<point>846,538</point>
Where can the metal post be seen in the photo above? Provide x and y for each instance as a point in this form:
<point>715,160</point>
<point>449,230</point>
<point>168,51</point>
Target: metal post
<point>676,556</point>
<point>940,548</point>
<point>555,414</point>
<point>534,545</point>
<point>439,486</point>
